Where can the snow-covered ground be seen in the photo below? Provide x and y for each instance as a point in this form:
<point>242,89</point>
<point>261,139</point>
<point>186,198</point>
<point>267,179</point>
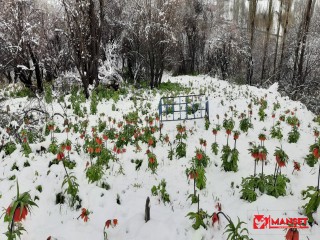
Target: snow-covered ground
<point>168,221</point>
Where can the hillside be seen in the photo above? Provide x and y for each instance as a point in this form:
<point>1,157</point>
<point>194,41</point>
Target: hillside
<point>113,174</point>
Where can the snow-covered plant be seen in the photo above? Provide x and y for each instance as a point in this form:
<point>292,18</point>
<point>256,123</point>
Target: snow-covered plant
<point>228,125</point>
<point>110,68</point>
<point>276,132</point>
<point>312,196</point>
<point>16,212</point>
<point>152,161</point>
<point>245,124</point>
<point>181,149</point>
<point>230,158</point>
<point>293,135</point>
<point>198,219</point>
<point>161,191</point>
<point>109,223</point>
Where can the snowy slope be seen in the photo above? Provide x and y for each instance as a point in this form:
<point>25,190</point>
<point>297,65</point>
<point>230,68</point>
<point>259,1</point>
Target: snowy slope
<point>168,221</point>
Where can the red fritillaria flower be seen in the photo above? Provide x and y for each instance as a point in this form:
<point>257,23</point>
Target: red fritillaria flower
<point>228,131</point>
<point>115,222</point>
<point>90,150</point>
<point>84,214</point>
<point>105,137</point>
<point>151,160</point>
<point>292,234</point>
<point>18,214</point>
<point>214,131</point>
<point>150,142</point>
<point>60,155</point>
<point>98,140</point>
<point>199,156</point>
<point>68,147</point>
<point>108,223</point>
<point>193,175</point>
<point>280,162</point>
<point>262,156</point>
<point>262,137</point>
<point>215,218</point>
<point>296,166</point>
<point>316,153</point>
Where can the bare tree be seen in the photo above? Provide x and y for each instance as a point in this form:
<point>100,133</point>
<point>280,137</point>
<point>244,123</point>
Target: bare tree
<point>84,25</point>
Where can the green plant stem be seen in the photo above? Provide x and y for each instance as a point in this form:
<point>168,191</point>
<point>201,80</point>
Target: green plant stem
<point>198,203</point>
<point>276,176</point>
<point>255,167</point>
<point>262,168</point>
<point>12,223</point>
<point>225,216</point>
<point>65,169</point>
<point>318,180</point>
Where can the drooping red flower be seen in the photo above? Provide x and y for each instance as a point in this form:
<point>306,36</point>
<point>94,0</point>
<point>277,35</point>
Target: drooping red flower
<point>262,137</point>
<point>199,156</point>
<point>68,147</point>
<point>150,142</point>
<point>292,234</point>
<point>90,150</point>
<point>18,214</point>
<point>296,166</point>
<point>280,162</point>
<point>84,214</point>
<point>98,140</point>
<point>262,156</point>
<point>108,223</point>
<point>193,175</point>
<point>115,222</point>
<point>215,218</point>
<point>218,207</point>
<point>60,156</point>
<point>228,131</point>
<point>316,152</point>
<point>151,160</point>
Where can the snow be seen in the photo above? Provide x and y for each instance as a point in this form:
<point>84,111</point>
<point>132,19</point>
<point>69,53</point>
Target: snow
<point>167,221</point>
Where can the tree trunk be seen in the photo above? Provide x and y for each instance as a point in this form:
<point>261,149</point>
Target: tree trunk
<point>267,38</point>
<point>277,41</point>
<point>37,69</point>
<point>252,17</point>
<point>285,31</point>
<point>298,76</point>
